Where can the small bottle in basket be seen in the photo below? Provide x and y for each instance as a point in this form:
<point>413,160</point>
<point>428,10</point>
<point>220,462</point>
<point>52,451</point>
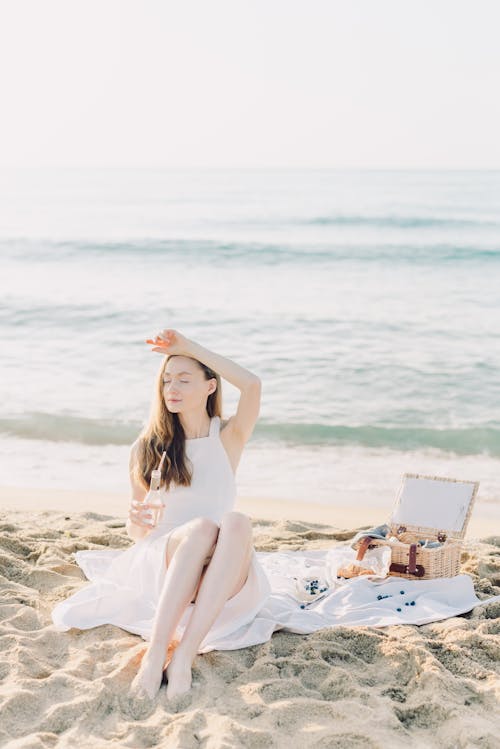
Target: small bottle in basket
<point>153,497</point>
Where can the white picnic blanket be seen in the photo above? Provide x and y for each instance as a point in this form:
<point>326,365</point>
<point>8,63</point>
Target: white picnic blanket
<point>352,602</point>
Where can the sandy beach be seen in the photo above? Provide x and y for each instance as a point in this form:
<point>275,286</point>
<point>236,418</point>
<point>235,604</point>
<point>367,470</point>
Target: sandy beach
<point>433,685</point>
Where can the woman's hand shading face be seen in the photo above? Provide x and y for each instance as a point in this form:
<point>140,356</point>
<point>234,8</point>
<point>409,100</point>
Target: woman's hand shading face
<point>169,341</point>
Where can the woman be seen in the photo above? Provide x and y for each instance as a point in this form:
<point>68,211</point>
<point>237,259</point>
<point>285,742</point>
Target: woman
<point>198,565</point>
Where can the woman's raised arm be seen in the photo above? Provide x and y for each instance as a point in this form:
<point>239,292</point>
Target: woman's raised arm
<point>170,341</point>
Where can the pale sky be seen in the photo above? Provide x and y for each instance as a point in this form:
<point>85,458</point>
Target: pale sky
<point>250,83</point>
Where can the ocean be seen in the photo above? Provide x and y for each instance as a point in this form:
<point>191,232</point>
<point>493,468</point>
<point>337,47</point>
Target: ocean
<point>368,302</point>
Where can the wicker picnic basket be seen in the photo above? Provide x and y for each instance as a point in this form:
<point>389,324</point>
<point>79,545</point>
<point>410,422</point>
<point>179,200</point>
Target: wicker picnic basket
<point>408,558</point>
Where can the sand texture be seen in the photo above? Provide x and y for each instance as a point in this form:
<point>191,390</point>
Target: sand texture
<point>430,686</point>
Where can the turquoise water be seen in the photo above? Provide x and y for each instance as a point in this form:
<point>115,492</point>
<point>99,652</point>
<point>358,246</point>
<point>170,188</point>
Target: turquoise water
<point>367,302</point>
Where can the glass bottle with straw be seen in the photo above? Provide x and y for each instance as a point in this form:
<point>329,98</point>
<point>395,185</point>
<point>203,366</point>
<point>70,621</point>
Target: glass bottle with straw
<point>153,497</point>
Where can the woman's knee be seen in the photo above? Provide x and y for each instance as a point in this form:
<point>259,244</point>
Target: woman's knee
<point>200,533</point>
<point>237,523</point>
<point>203,530</point>
<point>204,534</point>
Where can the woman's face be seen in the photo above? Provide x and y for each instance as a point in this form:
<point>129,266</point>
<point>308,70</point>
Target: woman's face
<point>184,385</point>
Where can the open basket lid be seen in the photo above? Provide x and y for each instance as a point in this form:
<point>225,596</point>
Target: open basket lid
<point>429,504</point>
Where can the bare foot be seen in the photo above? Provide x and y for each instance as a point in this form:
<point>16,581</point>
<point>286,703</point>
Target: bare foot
<point>178,674</point>
<point>148,678</point>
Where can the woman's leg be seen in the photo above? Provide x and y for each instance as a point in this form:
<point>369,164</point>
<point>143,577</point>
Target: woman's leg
<point>187,552</point>
<point>225,576</point>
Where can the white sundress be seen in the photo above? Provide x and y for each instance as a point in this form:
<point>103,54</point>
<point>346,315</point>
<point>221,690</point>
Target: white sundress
<point>125,585</point>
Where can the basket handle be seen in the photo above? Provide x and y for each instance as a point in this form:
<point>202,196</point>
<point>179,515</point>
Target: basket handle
<point>362,548</point>
<point>412,568</point>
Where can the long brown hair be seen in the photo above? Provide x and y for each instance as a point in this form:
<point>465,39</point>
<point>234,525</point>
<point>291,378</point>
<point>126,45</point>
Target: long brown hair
<point>164,431</point>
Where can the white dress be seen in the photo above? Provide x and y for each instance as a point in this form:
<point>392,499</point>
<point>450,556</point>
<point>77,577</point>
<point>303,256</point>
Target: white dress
<point>125,585</point>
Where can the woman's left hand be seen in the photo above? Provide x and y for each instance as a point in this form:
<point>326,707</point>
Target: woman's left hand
<point>170,341</point>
